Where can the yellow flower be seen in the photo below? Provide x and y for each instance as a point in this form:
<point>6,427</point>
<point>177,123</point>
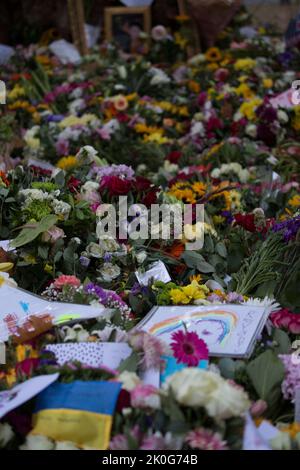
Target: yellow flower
<point>25,351</point>
<point>218,219</point>
<point>245,91</point>
<point>292,429</point>
<point>235,197</point>
<point>2,281</point>
<point>74,120</point>
<point>181,41</point>
<point>267,82</point>
<point>16,92</point>
<point>212,67</point>
<point>5,267</point>
<point>67,163</point>
<point>48,268</point>
<point>178,297</point>
<point>30,259</point>
<point>196,277</point>
<point>248,108</point>
<point>294,201</point>
<point>156,137</point>
<point>193,292</point>
<point>199,188</point>
<point>245,64</point>
<point>213,54</point>
<point>11,377</point>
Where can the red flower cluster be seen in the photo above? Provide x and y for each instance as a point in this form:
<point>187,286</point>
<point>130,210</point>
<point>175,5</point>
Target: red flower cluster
<point>247,221</point>
<point>117,186</point>
<point>286,320</point>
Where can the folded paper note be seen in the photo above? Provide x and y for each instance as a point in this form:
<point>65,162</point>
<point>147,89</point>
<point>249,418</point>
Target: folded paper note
<point>80,412</point>
<point>228,330</point>
<point>18,305</point>
<point>91,354</point>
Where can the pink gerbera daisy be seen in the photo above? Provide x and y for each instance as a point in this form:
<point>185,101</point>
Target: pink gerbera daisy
<point>189,348</point>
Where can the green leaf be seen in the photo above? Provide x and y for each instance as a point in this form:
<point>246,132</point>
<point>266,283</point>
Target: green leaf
<point>130,364</point>
<point>205,267</point>
<point>267,373</point>
<point>29,234</point>
<point>221,249</point>
<point>228,367</point>
<point>192,259</point>
<point>283,341</point>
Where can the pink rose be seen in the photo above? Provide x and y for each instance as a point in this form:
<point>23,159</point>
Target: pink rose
<point>159,33</point>
<point>65,280</point>
<point>145,396</point>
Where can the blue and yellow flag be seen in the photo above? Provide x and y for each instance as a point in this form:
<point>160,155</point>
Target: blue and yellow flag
<point>80,412</point>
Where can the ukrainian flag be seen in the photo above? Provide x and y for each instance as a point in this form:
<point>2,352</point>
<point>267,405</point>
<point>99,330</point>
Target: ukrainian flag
<point>80,412</point>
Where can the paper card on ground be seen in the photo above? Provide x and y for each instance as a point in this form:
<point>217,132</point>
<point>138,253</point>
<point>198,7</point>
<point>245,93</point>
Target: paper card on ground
<point>151,377</point>
<point>17,305</point>
<point>91,354</point>
<point>228,330</point>
<point>20,394</point>
<point>253,439</point>
<point>157,271</point>
<point>66,52</point>
<point>267,431</point>
<point>284,100</point>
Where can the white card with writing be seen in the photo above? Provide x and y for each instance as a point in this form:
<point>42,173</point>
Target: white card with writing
<point>91,354</point>
<point>157,272</point>
<point>17,305</point>
<point>66,52</point>
<point>227,329</point>
<point>20,394</point>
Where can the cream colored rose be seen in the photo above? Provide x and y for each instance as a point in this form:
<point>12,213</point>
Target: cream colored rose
<point>129,380</point>
<point>227,401</point>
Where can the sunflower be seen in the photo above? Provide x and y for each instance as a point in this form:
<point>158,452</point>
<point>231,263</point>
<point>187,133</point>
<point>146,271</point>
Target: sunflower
<point>213,54</point>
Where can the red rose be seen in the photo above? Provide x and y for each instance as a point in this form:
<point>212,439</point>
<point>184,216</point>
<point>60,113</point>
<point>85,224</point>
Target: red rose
<point>123,401</point>
<point>142,184</point>
<point>150,198</point>
<point>246,221</point>
<point>116,186</point>
<point>174,156</point>
<point>73,184</point>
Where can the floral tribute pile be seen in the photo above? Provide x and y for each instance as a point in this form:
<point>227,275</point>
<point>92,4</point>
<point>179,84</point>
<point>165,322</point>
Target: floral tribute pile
<point>168,129</point>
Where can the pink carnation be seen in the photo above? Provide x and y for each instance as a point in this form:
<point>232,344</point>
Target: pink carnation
<point>286,320</point>
<point>205,439</point>
<point>145,396</point>
<point>65,280</point>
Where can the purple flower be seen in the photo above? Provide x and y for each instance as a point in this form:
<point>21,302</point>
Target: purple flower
<point>121,171</point>
<point>292,377</point>
<point>84,261</point>
<point>228,216</point>
<point>289,228</point>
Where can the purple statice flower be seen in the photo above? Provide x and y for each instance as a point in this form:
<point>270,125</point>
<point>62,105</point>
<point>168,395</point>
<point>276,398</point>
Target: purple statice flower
<point>84,261</point>
<point>214,298</point>
<point>285,58</point>
<point>292,376</point>
<point>234,297</point>
<point>289,228</point>
<point>108,298</point>
<point>228,216</point>
<point>107,257</point>
<point>62,147</point>
<point>54,117</point>
<point>122,171</point>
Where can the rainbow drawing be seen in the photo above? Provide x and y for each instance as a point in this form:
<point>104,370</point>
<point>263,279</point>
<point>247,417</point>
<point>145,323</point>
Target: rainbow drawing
<point>223,320</point>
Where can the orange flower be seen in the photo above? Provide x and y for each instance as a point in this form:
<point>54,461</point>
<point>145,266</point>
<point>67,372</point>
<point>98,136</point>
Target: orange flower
<point>176,249</point>
<point>120,103</point>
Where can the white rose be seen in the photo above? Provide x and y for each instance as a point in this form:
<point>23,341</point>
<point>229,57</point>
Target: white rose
<point>141,256</point>
<point>227,401</point>
<point>6,434</point>
<point>129,380</point>
<point>251,130</point>
<point>37,443</point>
<point>282,116</point>
<point>192,386</point>
<point>109,271</point>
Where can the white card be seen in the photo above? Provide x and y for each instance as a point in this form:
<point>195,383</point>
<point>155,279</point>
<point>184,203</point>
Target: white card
<point>20,394</point>
<point>284,100</point>
<point>227,329</point>
<point>91,354</point>
<point>253,440</point>
<point>17,305</point>
<point>5,245</point>
<point>157,271</point>
<point>66,52</point>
